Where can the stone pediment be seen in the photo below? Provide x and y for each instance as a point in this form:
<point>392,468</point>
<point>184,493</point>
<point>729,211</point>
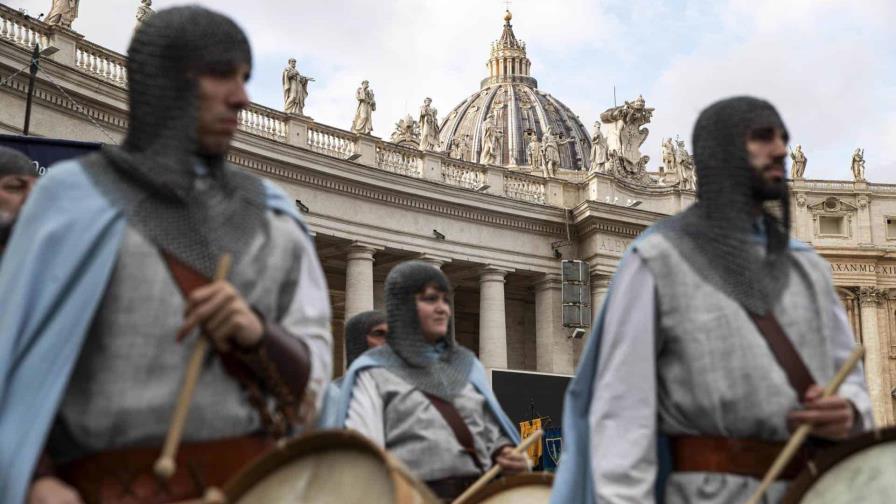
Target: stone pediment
<point>833,205</point>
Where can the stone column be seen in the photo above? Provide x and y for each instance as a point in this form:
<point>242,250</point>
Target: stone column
<point>553,348</point>
<point>600,286</point>
<point>869,299</point>
<point>359,279</point>
<point>492,322</point>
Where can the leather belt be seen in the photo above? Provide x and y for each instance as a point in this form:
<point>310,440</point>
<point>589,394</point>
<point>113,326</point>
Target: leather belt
<point>745,457</point>
<point>125,476</point>
<point>450,488</point>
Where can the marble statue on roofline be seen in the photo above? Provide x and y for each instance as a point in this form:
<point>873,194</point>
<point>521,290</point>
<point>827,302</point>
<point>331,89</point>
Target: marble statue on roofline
<point>295,89</point>
<point>600,151</point>
<point>63,13</point>
<point>407,132</point>
<point>363,122</point>
<point>144,11</point>
<point>798,169</point>
<point>429,126</point>
<point>491,137</point>
<point>858,165</point>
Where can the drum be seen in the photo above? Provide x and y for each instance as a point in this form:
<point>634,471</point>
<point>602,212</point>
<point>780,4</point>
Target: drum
<point>527,488</point>
<point>862,469</point>
<point>326,467</point>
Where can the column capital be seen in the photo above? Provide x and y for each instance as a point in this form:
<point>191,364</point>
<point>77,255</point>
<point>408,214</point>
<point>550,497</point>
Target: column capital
<point>493,274</point>
<point>871,296</point>
<point>548,281</point>
<point>436,260</point>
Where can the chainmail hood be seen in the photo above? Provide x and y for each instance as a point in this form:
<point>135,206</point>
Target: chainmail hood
<point>715,235</point>
<point>13,162</point>
<point>356,330</point>
<point>194,207</point>
<point>442,369</point>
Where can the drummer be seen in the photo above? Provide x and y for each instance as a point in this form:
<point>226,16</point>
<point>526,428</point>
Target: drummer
<point>424,397</point>
<point>719,332</point>
<point>116,268</point>
<point>364,331</point>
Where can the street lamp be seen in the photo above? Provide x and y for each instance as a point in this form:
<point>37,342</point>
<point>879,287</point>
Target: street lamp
<point>35,59</point>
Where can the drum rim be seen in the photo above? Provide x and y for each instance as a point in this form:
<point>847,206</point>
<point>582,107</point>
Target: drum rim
<point>831,457</point>
<point>272,460</point>
<point>517,480</point>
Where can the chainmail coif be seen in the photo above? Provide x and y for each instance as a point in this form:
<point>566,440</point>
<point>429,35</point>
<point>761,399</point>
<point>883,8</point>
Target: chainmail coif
<point>443,373</point>
<point>715,234</point>
<point>356,330</point>
<point>193,206</point>
<point>13,162</point>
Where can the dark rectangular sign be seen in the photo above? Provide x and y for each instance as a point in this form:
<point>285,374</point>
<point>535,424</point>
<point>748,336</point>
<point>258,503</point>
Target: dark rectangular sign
<point>525,395</point>
<point>46,151</point>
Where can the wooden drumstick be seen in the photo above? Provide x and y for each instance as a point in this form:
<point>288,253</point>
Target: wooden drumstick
<point>165,465</point>
<point>496,469</point>
<point>799,435</point>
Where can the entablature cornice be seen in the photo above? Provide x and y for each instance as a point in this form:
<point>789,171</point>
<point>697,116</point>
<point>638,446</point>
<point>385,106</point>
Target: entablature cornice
<point>411,194</point>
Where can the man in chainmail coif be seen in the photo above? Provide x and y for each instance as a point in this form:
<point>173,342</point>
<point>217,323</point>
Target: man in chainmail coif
<point>424,397</point>
<point>116,269</point>
<point>713,339</point>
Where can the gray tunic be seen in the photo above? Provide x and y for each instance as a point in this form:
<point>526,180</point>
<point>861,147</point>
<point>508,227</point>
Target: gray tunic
<point>398,417</point>
<point>679,357</point>
<point>126,380</point>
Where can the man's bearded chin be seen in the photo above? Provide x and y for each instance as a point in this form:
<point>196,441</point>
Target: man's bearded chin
<point>765,189</point>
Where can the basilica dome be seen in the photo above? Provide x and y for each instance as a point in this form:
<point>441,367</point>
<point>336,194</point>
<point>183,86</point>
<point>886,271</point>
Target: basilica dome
<point>518,110</point>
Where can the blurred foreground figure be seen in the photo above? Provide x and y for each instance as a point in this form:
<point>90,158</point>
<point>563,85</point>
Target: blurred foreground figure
<point>17,176</point>
<point>422,396</point>
<point>116,268</point>
<point>683,346</point>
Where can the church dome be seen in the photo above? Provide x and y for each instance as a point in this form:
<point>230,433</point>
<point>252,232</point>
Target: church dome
<point>520,110</point>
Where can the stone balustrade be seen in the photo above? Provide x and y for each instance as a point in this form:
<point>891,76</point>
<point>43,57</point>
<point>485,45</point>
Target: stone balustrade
<point>101,62</point>
<point>463,175</point>
<point>21,30</point>
<point>263,121</point>
<point>330,141</point>
<point>524,187</point>
<point>399,160</point>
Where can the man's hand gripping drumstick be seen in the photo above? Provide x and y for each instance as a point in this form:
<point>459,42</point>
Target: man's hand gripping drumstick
<point>797,438</point>
<point>226,319</point>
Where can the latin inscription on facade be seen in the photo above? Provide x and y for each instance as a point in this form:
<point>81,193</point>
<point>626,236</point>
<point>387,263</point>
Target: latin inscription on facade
<point>887,270</point>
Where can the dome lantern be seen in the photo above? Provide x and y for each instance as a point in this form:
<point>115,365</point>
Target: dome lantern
<point>508,111</point>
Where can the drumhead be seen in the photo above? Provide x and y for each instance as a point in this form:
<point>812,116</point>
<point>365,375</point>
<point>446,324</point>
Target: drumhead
<point>327,467</point>
<point>528,488</point>
<point>862,469</point>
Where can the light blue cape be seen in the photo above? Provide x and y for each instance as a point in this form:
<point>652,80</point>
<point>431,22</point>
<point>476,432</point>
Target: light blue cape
<point>52,277</point>
<point>335,419</point>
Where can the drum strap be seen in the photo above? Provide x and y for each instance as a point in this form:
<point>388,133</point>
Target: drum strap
<point>458,427</point>
<point>788,358</point>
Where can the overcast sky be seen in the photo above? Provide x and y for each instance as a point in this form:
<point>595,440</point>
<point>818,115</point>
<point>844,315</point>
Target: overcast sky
<point>827,65</point>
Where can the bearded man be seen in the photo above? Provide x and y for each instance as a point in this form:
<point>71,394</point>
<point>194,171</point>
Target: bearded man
<point>17,177</point>
<point>116,268</point>
<point>702,309</point>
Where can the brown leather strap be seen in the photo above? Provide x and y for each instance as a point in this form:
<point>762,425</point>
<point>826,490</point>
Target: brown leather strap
<point>186,278</point>
<point>458,426</point>
<point>745,457</point>
<point>790,361</point>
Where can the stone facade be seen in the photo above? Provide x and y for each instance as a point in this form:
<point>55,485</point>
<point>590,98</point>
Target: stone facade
<point>497,233</point>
